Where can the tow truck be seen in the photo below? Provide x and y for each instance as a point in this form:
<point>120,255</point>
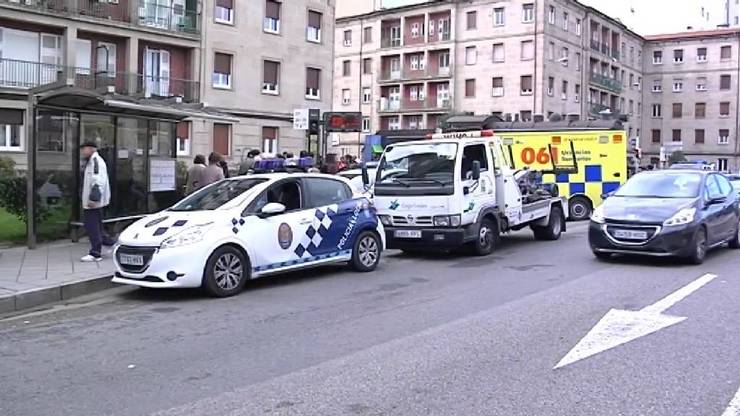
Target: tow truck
<point>460,190</point>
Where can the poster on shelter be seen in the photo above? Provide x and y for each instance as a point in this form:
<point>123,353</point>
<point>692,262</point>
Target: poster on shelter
<point>161,175</point>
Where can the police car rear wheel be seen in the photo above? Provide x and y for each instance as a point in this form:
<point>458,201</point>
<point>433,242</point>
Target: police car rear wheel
<point>580,209</point>
<point>226,272</point>
<point>366,252</point>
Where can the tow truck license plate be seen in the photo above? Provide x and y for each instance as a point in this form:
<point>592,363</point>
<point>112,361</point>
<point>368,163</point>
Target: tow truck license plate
<point>132,259</point>
<point>631,235</point>
<point>407,234</point>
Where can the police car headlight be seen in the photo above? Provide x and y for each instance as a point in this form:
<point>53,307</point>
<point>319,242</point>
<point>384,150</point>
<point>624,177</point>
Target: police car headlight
<point>682,217</point>
<point>598,215</point>
<point>385,220</point>
<point>191,235</point>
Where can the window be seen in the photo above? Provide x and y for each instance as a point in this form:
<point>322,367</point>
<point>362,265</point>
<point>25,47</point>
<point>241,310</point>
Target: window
<point>313,31</point>
<point>367,95</point>
<point>222,138</point>
<point>525,115</point>
<point>579,29</point>
<point>725,81</point>
<point>565,21</point>
<point>313,83</point>
<point>564,56</point>
<point>655,133</point>
<point>415,30</point>
<point>724,109</point>
<point>701,54</point>
<point>657,111</point>
<point>577,96</point>
<point>367,66</point>
<point>564,91</point>
<point>224,12</point>
<point>632,80</point>
<point>471,55</point>
<point>347,38</point>
<point>182,134</point>
<point>416,93</point>
<point>106,57</point>
<point>677,110</point>
<point>725,53</point>
<point>271,77</point>
<point>677,85</point>
<point>551,51</point>
<point>578,61</point>
<point>551,15</point>
<point>527,50</point>
<point>676,135</point>
<point>657,57</point>
<point>394,123</point>
<point>498,87</point>
<point>632,107</point>
<point>346,96</point>
<point>525,83</point>
<point>473,153</point>
<point>367,35</point>
<point>222,70</point>
<point>550,86</point>
<point>632,54</point>
<point>346,68</point>
<point>271,23</point>
<point>324,191</point>
<point>724,136</point>
<point>10,134</point>
<point>471,19</point>
<point>498,16</point>
<point>469,88</point>
<point>498,52</point>
<point>699,136</point>
<point>528,13</point>
<point>269,140</point>
<point>700,110</point>
<point>366,124</point>
<point>678,56</point>
<point>701,84</point>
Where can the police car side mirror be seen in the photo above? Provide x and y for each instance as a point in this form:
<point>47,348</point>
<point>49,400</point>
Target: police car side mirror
<point>273,208</point>
<point>476,170</point>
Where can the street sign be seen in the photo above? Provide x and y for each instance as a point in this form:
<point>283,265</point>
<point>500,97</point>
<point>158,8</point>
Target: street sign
<point>343,122</point>
<point>619,327</point>
<point>300,119</point>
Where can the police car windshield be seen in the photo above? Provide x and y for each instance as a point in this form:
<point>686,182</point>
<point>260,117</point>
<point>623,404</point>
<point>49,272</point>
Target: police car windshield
<point>661,185</point>
<point>418,164</point>
<point>216,195</point>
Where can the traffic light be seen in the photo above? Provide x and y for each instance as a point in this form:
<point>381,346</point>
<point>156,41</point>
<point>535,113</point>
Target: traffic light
<point>314,121</point>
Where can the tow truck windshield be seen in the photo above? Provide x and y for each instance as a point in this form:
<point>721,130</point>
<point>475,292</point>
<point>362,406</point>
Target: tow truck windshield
<point>425,166</point>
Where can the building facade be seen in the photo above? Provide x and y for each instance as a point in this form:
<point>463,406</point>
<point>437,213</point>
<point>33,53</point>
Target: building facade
<point>732,12</point>
<point>260,62</point>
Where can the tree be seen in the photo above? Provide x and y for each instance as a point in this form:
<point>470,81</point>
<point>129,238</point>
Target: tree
<point>676,157</point>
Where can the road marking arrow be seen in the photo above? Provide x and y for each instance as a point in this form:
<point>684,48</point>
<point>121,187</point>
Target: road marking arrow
<point>619,327</point>
<point>734,408</point>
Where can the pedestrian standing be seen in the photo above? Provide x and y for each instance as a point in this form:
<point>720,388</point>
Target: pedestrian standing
<point>193,182</point>
<point>224,167</point>
<point>213,172</point>
<point>95,197</point>
<point>248,163</point>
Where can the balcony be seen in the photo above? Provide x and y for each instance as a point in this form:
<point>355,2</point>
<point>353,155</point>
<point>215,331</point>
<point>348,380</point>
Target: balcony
<point>415,75</point>
<point>22,75</point>
<point>595,45</point>
<point>148,13</point>
<point>610,84</point>
<point>615,54</point>
<point>429,104</point>
<point>390,42</point>
<point>387,76</point>
<point>600,110</point>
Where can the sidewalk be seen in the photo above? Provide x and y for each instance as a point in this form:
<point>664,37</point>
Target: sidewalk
<point>50,273</point>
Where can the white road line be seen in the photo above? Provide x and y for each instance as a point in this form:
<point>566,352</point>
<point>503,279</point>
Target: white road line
<point>734,408</point>
<point>679,295</point>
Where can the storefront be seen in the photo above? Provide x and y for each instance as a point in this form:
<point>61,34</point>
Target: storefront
<point>136,138</point>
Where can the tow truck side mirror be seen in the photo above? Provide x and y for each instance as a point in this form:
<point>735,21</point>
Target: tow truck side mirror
<point>476,170</point>
<point>365,176</point>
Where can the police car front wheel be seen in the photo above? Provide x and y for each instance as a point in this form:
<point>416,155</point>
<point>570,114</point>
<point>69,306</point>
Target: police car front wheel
<point>366,252</point>
<point>226,272</point>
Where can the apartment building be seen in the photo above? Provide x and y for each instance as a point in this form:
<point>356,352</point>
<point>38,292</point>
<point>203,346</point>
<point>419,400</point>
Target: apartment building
<point>407,67</point>
<point>691,96</point>
<point>732,12</point>
<point>261,61</point>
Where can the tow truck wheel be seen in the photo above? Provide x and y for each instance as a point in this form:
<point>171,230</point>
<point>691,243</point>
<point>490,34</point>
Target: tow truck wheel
<point>554,227</point>
<point>366,252</point>
<point>227,271</point>
<point>580,208</point>
<point>487,240</point>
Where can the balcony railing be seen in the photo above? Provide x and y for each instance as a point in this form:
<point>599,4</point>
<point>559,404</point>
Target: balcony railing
<point>428,104</point>
<point>15,74</point>
<point>388,42</point>
<point>610,84</point>
<point>415,75</point>
<point>595,45</point>
<point>150,14</point>
<point>615,54</point>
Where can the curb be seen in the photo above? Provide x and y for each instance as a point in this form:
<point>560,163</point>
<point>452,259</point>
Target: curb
<point>41,296</point>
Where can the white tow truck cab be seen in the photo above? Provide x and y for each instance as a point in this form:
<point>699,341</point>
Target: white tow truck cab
<point>458,189</point>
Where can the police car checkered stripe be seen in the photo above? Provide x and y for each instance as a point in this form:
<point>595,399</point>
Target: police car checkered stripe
<point>316,231</point>
<point>302,260</point>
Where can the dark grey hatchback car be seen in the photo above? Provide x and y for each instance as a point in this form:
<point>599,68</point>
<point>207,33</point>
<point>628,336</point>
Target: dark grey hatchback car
<point>667,213</point>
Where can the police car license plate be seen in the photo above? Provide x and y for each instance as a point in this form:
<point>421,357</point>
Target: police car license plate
<point>407,234</point>
<point>131,259</point>
<point>631,235</point>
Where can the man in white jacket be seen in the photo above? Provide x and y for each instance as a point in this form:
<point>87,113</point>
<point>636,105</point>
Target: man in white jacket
<point>95,197</point>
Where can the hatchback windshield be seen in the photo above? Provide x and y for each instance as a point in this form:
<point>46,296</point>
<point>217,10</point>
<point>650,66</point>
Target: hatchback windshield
<point>418,163</point>
<point>662,185</point>
<point>216,195</point>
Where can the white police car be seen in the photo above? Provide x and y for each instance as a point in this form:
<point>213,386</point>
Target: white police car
<point>248,227</point>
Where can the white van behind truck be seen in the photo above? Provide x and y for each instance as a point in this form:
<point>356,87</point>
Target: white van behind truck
<point>459,190</point>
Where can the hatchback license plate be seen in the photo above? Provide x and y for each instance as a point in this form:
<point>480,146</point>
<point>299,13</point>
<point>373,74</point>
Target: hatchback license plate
<point>131,259</point>
<point>407,234</point>
<point>631,235</point>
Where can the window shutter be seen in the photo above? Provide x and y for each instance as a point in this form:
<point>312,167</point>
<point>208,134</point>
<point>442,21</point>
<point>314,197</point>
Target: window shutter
<point>314,20</point>
<point>221,138</point>
<point>227,4</point>
<point>498,83</point>
<point>269,133</point>
<point>272,9</point>
<point>312,78</point>
<point>183,130</point>
<point>222,64</point>
<point>13,117</point>
<point>271,72</point>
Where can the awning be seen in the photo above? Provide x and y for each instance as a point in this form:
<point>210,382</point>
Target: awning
<point>377,148</point>
<point>173,112</point>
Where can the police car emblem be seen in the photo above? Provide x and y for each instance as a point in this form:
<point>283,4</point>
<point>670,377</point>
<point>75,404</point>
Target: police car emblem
<point>285,236</point>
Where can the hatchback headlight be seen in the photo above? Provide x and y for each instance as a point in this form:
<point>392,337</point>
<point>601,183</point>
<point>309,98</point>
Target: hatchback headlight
<point>598,215</point>
<point>191,235</point>
<point>682,217</point>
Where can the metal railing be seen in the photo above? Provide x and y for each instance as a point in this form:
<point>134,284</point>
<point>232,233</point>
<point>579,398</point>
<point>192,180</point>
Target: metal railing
<point>388,42</point>
<point>414,74</point>
<point>24,74</point>
<point>610,84</point>
<point>595,45</point>
<point>175,18</point>
<point>431,103</point>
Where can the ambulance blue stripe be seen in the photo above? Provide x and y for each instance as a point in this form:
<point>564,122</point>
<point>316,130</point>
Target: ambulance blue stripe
<point>301,261</point>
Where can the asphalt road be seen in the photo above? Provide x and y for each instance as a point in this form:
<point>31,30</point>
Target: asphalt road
<point>433,335</point>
